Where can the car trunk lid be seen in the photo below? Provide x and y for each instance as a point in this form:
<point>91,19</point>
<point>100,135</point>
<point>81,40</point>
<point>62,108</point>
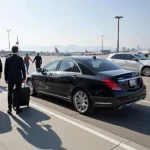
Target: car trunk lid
<point>127,80</point>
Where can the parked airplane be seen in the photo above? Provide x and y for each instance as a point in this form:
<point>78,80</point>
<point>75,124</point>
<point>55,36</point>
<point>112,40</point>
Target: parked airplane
<point>62,53</point>
<point>144,52</point>
<point>93,53</point>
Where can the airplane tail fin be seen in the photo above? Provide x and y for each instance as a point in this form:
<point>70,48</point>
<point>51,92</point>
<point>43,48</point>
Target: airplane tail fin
<point>56,50</point>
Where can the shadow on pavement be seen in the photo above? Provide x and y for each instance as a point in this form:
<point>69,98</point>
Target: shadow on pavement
<point>5,123</point>
<point>135,117</point>
<point>37,133</point>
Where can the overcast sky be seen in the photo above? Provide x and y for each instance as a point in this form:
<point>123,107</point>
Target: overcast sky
<point>79,22</point>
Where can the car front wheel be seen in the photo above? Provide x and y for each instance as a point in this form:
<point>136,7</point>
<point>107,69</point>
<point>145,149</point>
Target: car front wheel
<point>82,102</point>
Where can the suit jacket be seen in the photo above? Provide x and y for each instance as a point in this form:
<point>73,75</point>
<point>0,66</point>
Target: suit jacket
<point>14,69</point>
<point>38,60</point>
<point>1,68</point>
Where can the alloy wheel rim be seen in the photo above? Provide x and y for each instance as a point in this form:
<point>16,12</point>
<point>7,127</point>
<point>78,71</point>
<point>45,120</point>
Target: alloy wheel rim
<point>81,101</point>
<point>147,71</point>
<point>30,86</point>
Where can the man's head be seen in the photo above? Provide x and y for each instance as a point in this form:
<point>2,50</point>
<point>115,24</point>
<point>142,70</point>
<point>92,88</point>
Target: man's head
<point>15,49</point>
<point>26,54</point>
<point>38,54</point>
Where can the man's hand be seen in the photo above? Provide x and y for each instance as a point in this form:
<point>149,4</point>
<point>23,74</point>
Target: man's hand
<point>6,82</point>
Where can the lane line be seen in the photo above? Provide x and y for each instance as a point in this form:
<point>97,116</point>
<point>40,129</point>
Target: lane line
<point>123,145</point>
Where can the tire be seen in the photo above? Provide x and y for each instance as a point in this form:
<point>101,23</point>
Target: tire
<point>32,89</point>
<point>82,102</point>
<point>146,71</point>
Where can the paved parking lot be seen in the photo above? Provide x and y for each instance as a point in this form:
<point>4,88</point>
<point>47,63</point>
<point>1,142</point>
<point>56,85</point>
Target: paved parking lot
<point>132,123</point>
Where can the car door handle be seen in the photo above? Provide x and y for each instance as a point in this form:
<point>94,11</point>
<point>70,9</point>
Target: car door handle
<point>126,61</point>
<point>74,76</point>
<point>50,74</point>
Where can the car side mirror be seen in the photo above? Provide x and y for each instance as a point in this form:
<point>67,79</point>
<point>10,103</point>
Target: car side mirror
<point>39,70</point>
<point>44,72</point>
<point>135,59</point>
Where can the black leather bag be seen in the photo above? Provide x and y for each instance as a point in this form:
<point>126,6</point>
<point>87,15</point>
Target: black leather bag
<point>24,96</point>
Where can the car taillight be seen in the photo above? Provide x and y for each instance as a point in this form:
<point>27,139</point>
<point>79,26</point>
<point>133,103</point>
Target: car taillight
<point>111,84</point>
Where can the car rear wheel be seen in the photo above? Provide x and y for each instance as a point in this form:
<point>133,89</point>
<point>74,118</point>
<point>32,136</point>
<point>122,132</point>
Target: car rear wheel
<point>146,71</point>
<point>32,89</point>
<point>82,102</point>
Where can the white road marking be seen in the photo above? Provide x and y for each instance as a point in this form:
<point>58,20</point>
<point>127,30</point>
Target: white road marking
<point>123,145</point>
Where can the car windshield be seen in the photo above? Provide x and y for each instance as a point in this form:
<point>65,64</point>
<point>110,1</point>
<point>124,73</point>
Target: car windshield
<point>140,57</point>
<point>100,65</point>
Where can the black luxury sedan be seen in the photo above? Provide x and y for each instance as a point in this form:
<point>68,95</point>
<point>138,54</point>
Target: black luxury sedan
<point>88,82</point>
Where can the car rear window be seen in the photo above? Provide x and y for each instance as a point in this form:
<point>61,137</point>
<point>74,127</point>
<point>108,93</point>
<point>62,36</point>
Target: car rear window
<point>100,65</point>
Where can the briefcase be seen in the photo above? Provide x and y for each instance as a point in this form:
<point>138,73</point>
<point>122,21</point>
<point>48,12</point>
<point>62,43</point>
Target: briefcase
<point>24,96</point>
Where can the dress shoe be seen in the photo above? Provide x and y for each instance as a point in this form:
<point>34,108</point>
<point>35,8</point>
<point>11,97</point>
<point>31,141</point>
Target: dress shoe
<point>9,111</point>
<point>18,111</point>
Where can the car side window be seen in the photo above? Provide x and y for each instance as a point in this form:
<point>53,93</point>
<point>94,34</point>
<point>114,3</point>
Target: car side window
<point>68,66</point>
<point>128,57</point>
<point>76,68</point>
<point>51,66</point>
<point>117,56</point>
<point>85,70</point>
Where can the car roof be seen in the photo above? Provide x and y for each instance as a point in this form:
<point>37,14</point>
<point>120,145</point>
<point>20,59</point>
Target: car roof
<point>127,53</point>
<point>82,57</point>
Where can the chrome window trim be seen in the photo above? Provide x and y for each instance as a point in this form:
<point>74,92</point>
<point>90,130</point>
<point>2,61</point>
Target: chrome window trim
<point>68,72</point>
<point>76,64</point>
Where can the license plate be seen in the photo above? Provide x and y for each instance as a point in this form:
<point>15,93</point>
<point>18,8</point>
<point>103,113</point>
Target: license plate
<point>132,82</point>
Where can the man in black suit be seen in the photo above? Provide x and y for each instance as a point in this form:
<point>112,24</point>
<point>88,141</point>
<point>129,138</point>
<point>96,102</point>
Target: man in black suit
<point>38,61</point>
<point>15,75</point>
<point>0,69</point>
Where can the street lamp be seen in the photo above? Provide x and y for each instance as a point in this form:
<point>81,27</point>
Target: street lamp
<point>9,38</point>
<point>118,17</point>
<point>102,41</point>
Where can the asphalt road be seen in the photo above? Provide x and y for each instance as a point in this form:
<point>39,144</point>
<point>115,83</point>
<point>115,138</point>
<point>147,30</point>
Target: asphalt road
<point>132,123</point>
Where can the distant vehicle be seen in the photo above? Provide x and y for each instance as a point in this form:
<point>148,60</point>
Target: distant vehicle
<point>135,62</point>
<point>145,54</point>
<point>62,53</point>
<point>88,82</point>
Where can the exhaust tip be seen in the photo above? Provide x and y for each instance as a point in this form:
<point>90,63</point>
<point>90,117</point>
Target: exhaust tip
<point>123,106</point>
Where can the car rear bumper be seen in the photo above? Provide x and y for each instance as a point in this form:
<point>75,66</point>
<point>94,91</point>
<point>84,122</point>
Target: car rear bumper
<point>123,100</point>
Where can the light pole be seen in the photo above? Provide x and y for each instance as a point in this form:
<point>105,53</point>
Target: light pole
<point>118,17</point>
<point>9,38</point>
<point>102,41</point>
